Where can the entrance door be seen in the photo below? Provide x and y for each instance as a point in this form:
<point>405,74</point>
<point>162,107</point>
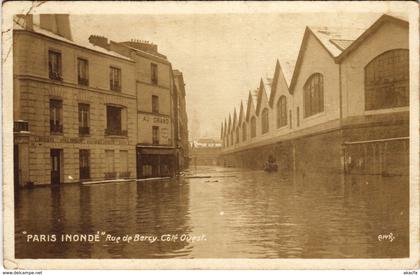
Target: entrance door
<point>55,166</point>
<point>84,167</point>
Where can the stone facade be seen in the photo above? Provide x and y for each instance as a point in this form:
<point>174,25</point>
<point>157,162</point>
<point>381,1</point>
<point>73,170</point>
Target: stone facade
<point>182,120</point>
<point>90,111</point>
<point>157,109</point>
<point>34,89</point>
<point>325,123</point>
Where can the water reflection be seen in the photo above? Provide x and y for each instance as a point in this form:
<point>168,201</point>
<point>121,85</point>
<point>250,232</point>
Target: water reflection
<point>244,214</point>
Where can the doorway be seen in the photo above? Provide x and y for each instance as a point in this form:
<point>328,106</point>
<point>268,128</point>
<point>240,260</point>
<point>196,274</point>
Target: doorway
<point>56,166</point>
<point>84,166</point>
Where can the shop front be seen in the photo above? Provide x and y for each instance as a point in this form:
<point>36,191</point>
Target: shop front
<point>155,161</point>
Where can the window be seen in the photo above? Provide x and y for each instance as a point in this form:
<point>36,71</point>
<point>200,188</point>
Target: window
<point>264,121</point>
<point>54,65</point>
<point>82,72</point>
<point>237,135</point>
<point>281,112</point>
<point>243,131</point>
<point>84,119</point>
<point>155,104</point>
<point>115,79</point>
<point>290,117</point>
<point>115,121</point>
<point>155,136</point>
<point>297,116</point>
<point>387,80</point>
<point>56,116</point>
<point>110,165</point>
<point>154,73</point>
<point>253,127</point>
<point>314,95</point>
<point>124,172</point>
<point>84,167</point>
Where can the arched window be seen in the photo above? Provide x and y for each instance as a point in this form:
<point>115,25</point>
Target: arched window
<point>264,121</point>
<point>314,95</point>
<point>243,131</point>
<point>237,135</point>
<point>387,80</point>
<point>253,127</point>
<point>281,112</point>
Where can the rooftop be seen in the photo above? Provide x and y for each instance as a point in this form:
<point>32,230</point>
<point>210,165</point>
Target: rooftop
<point>84,44</point>
<point>334,39</point>
<point>287,67</point>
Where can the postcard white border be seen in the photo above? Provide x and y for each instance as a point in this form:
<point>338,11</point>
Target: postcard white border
<point>91,7</point>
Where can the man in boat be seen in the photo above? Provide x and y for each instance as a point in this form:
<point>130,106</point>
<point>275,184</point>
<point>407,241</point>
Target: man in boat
<point>270,165</point>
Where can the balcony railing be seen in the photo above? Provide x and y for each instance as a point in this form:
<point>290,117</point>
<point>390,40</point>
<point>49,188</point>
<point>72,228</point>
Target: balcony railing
<point>84,131</point>
<point>20,126</point>
<point>55,128</point>
<point>83,81</point>
<point>125,175</point>
<point>110,175</point>
<point>115,132</point>
<point>56,76</point>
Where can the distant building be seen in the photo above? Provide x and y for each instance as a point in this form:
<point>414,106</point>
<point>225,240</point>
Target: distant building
<point>195,126</point>
<point>205,151</point>
<point>343,107</point>
<point>74,106</point>
<point>181,120</point>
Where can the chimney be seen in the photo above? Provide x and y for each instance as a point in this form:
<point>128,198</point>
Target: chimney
<point>143,45</point>
<point>56,23</point>
<point>29,22</point>
<point>100,41</point>
<point>25,21</point>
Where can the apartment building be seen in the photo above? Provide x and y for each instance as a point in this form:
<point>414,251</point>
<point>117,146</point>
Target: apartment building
<point>75,106</point>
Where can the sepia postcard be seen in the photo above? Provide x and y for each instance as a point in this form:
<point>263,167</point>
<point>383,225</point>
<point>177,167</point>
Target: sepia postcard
<point>210,135</point>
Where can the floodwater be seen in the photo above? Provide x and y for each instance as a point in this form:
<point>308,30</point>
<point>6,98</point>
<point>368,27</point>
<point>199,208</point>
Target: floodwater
<point>233,214</point>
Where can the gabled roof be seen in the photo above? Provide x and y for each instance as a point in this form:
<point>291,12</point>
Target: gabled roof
<point>262,93</point>
<point>339,42</point>
<point>283,71</point>
<point>222,134</point>
<point>369,31</point>
<point>241,114</point>
<point>82,44</point>
<point>334,40</point>
<point>230,124</point>
<point>250,105</point>
<point>235,119</point>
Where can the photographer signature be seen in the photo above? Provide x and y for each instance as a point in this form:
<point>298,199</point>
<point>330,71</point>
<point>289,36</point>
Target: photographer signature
<point>383,237</point>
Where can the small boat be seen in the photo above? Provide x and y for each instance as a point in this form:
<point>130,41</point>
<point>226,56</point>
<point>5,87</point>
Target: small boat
<point>270,167</point>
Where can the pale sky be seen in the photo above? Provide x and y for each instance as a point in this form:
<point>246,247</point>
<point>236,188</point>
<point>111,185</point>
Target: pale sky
<point>222,56</point>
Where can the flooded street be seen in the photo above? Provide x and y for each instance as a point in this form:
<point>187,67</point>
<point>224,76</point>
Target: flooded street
<point>236,213</point>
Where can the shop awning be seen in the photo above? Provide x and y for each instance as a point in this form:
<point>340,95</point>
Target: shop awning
<point>156,150</point>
